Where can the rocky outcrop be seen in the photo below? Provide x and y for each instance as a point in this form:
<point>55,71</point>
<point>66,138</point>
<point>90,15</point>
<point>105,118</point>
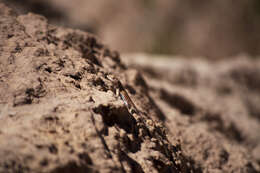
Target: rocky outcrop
<point>59,111</point>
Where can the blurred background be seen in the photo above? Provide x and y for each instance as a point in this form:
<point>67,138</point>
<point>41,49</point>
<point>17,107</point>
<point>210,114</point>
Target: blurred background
<point>213,29</point>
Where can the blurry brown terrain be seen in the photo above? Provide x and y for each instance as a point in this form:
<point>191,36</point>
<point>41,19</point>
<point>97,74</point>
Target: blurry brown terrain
<point>214,29</point>
<point>59,108</point>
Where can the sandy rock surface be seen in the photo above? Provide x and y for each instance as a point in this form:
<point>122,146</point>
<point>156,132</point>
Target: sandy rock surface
<point>59,111</point>
<point>211,107</point>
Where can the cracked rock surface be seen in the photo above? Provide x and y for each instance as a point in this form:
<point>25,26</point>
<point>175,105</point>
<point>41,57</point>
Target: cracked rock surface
<point>59,111</point>
<point>211,107</point>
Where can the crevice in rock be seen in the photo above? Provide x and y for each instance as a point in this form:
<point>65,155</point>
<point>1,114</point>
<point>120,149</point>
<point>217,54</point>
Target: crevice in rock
<point>134,165</point>
<point>230,131</point>
<point>118,116</point>
<point>185,106</point>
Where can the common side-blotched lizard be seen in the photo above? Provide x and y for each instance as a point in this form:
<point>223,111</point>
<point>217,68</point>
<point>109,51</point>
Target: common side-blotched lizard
<point>120,91</point>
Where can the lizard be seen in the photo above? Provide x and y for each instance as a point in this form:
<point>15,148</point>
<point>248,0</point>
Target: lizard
<point>122,93</point>
<point>119,90</point>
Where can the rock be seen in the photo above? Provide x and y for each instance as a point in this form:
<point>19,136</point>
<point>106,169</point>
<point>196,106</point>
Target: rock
<point>210,106</point>
<point>59,111</point>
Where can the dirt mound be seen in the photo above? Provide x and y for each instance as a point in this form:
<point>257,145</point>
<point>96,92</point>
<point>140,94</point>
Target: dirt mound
<point>212,107</point>
<point>59,111</point>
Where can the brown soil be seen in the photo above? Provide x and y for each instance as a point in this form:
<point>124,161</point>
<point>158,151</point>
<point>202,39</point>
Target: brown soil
<point>59,111</point>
